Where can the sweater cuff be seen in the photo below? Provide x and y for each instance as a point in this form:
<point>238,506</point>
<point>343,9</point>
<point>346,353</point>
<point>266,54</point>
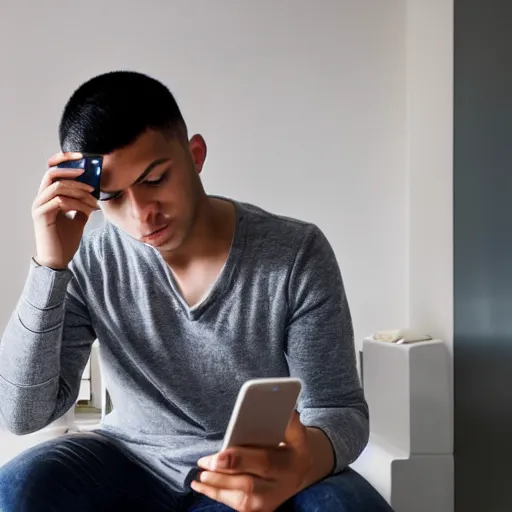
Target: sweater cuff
<point>347,430</point>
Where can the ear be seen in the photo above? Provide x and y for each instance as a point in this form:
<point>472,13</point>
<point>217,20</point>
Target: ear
<point>198,151</point>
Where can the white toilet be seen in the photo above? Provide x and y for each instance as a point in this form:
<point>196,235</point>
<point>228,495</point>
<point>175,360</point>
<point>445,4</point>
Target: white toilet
<point>409,458</point>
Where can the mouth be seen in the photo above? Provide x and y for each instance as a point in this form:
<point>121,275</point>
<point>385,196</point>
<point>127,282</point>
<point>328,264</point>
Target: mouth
<point>154,235</point>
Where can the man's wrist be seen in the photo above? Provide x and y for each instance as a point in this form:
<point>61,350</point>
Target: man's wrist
<point>43,264</point>
<point>322,454</point>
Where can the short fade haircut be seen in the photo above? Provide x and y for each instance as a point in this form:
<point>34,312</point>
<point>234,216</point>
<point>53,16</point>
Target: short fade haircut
<point>110,111</point>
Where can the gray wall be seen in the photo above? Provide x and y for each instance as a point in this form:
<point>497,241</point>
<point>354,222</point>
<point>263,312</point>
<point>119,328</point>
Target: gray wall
<point>483,255</point>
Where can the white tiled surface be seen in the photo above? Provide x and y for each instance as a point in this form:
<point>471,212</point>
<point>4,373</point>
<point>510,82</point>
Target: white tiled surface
<point>87,370</point>
<point>85,390</point>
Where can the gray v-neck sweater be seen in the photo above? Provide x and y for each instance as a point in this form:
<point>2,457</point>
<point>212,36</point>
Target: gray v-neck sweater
<point>278,308</point>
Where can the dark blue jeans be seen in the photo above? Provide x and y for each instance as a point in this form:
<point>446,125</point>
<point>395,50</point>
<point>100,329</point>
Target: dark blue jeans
<point>85,473</point>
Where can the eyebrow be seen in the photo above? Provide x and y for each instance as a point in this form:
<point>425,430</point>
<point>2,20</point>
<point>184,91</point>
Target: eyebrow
<point>146,171</point>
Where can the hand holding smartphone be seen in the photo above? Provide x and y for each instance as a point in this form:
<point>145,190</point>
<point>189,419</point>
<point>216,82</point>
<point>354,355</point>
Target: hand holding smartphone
<point>92,167</point>
<point>64,189</point>
<point>262,412</point>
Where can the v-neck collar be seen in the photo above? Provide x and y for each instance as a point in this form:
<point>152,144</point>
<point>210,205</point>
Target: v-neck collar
<point>224,278</point>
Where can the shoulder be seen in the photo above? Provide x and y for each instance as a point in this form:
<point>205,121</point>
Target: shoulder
<point>296,251</point>
<point>281,235</point>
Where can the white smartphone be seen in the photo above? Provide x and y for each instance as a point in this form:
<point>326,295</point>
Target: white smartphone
<point>262,412</point>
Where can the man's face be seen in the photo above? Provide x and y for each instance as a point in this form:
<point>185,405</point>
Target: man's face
<point>153,188</point>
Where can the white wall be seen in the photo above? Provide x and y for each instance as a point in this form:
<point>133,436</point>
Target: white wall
<point>302,103</point>
<point>429,43</point>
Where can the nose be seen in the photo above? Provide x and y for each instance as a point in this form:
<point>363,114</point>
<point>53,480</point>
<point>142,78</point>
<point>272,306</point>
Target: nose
<point>142,208</point>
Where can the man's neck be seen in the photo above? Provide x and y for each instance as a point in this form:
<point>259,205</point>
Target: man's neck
<point>210,237</point>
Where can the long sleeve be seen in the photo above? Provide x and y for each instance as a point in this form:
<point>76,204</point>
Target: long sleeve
<point>43,351</point>
<point>320,350</point>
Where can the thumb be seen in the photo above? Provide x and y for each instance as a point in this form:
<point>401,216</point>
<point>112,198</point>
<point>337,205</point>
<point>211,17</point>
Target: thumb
<point>296,434</point>
<point>81,218</point>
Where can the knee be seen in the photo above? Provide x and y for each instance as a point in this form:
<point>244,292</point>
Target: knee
<point>6,479</point>
<point>321,497</point>
<point>346,492</point>
<point>22,482</point>
<point>12,488</point>
<point>29,480</point>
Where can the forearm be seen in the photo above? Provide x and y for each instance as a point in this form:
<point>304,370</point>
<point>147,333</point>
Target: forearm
<point>30,352</point>
<point>31,343</point>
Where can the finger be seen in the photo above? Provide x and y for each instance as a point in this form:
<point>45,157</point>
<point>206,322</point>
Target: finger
<point>83,197</point>
<point>246,483</point>
<point>64,204</point>
<point>56,173</point>
<point>66,188</point>
<point>63,157</point>
<point>262,462</point>
<point>235,499</point>
<point>296,436</point>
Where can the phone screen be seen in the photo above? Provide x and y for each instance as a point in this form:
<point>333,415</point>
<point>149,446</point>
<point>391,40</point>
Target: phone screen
<point>262,411</point>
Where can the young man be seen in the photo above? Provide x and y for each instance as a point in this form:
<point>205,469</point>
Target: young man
<point>189,296</point>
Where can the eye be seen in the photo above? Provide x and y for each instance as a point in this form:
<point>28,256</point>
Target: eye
<point>104,196</point>
<point>151,182</point>
<point>158,180</point>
